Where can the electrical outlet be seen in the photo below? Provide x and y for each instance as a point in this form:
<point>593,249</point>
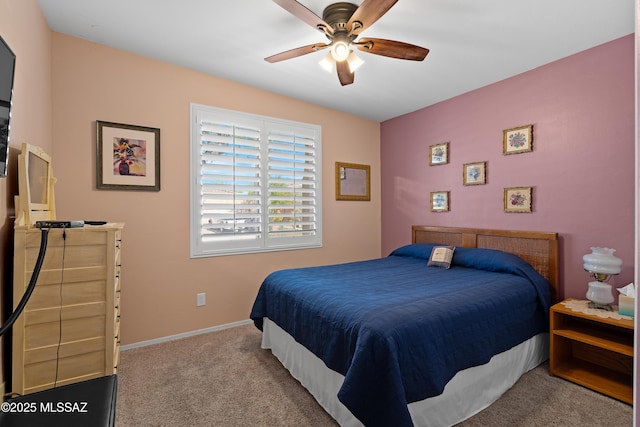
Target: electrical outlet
<point>201,299</point>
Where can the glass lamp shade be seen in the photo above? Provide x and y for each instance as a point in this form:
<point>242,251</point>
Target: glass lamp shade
<point>328,62</point>
<point>601,261</point>
<point>354,61</point>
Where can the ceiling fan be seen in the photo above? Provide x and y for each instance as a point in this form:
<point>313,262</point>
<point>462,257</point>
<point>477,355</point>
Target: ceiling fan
<point>342,23</point>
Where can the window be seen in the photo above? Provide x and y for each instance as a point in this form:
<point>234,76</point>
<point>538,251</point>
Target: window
<point>255,183</point>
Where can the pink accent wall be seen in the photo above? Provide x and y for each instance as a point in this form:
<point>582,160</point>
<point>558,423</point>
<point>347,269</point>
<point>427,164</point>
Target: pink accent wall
<point>581,167</point>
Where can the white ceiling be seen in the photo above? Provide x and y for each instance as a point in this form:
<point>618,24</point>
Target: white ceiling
<point>472,43</point>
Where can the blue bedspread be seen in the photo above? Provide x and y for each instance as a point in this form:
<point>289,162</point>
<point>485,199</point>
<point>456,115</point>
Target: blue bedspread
<point>399,330</point>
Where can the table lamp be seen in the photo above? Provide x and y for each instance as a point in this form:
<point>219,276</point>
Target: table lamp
<point>602,264</point>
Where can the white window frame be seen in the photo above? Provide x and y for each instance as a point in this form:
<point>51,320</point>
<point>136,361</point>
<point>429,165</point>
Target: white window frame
<point>304,227</point>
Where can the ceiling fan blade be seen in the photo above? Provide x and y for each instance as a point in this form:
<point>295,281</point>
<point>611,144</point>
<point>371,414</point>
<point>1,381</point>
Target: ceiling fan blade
<point>344,73</point>
<point>368,13</point>
<point>293,53</point>
<point>301,12</point>
<point>392,49</point>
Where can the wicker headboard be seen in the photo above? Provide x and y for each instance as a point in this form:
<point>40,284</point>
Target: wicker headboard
<point>540,249</point>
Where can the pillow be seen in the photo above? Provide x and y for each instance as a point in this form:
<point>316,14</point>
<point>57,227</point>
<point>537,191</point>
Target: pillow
<point>414,250</point>
<point>441,256</point>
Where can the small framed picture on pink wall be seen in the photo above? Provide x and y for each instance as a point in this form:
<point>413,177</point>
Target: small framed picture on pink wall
<point>518,199</point>
<point>517,140</point>
<point>439,154</point>
<point>127,157</point>
<point>439,201</point>
<point>474,173</point>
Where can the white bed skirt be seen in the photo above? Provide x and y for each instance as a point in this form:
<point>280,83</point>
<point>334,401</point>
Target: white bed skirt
<point>468,392</point>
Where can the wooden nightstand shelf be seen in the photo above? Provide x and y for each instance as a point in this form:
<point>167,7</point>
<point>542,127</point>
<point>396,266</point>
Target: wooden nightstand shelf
<point>592,351</point>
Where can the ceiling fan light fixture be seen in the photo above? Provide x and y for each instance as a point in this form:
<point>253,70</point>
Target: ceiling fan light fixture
<point>328,63</point>
<point>354,61</point>
<point>340,49</point>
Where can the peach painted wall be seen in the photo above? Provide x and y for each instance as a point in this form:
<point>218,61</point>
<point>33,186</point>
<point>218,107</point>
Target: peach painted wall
<point>93,82</point>
<point>581,168</point>
<point>23,27</point>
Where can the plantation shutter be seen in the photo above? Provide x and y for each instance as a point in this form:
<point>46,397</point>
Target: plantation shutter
<point>292,182</point>
<point>256,183</point>
<point>230,181</point>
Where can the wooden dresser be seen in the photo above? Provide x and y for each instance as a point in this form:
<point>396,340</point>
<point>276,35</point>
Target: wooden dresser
<point>70,328</point>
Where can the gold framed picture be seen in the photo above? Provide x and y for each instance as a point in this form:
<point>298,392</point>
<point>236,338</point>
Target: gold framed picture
<point>517,140</point>
<point>518,199</point>
<point>353,181</point>
<point>439,154</point>
<point>439,201</point>
<point>474,173</point>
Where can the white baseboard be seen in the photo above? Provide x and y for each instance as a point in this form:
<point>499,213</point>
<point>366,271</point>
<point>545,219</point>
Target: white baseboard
<point>185,335</point>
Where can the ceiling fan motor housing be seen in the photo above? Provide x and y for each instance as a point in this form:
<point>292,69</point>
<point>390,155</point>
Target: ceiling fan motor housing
<point>338,14</point>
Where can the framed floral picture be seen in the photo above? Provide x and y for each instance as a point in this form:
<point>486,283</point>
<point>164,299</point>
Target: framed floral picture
<point>439,201</point>
<point>517,140</point>
<point>474,173</point>
<point>439,154</point>
<point>127,157</point>
<point>518,199</point>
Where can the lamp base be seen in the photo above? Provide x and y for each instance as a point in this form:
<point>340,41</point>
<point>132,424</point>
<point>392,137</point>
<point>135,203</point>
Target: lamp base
<point>606,307</point>
<point>600,295</point>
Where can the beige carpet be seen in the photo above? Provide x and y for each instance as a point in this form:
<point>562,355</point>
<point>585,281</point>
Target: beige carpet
<point>225,379</point>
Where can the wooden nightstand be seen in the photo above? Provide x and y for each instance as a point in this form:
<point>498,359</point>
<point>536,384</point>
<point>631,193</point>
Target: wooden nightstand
<point>592,351</point>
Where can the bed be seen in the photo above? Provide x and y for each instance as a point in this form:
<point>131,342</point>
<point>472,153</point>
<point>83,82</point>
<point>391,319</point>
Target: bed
<point>396,341</point>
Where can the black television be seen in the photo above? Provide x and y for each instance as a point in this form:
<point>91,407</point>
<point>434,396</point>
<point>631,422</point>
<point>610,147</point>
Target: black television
<point>7,71</point>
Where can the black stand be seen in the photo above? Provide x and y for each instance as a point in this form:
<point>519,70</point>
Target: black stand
<point>87,403</point>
